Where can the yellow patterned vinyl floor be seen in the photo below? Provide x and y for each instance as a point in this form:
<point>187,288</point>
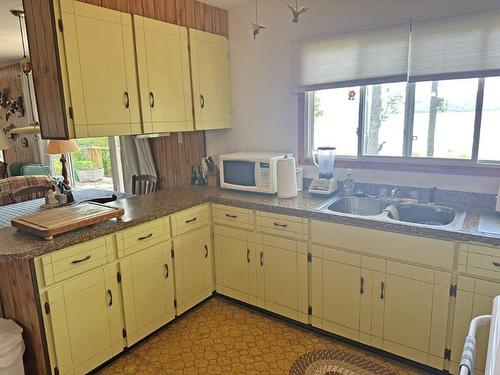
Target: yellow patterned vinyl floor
<point>222,337</point>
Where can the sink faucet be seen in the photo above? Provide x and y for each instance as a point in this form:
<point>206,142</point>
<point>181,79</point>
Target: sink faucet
<point>432,194</point>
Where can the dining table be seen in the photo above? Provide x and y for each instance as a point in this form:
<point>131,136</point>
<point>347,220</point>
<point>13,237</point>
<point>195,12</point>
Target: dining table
<point>10,211</point>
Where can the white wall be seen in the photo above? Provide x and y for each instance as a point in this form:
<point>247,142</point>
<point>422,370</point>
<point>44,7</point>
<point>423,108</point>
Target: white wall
<point>264,111</point>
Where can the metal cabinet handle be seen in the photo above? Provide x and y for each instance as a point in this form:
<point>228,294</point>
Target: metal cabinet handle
<point>362,287</point>
<point>232,216</point>
<point>151,99</point>
<point>206,251</point>
<point>110,294</point>
<point>81,260</point>
<point>191,220</point>
<point>382,290</point>
<point>248,255</point>
<point>202,101</point>
<point>496,264</point>
<point>261,258</point>
<point>166,268</point>
<point>145,237</point>
<point>126,99</point>
<point>280,225</point>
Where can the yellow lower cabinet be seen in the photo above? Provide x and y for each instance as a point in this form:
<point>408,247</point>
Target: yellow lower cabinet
<point>235,264</point>
<point>416,302</point>
<point>474,298</point>
<point>147,281</point>
<point>83,321</point>
<point>193,268</point>
<point>284,265</point>
<point>336,287</point>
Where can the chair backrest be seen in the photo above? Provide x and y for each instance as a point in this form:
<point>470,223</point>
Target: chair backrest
<point>29,193</point>
<point>3,169</point>
<point>143,184</point>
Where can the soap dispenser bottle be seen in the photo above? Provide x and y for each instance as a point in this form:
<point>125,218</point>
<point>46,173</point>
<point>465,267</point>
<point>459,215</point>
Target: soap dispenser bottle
<point>348,184</point>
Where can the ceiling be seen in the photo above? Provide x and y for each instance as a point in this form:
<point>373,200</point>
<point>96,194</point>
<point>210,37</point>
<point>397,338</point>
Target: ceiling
<point>10,37</point>
<point>226,4</point>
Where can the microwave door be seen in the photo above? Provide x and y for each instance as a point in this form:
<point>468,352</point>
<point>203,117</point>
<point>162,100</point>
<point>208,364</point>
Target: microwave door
<point>240,174</point>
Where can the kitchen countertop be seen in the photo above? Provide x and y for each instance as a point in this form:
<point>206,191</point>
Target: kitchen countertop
<point>18,246</point>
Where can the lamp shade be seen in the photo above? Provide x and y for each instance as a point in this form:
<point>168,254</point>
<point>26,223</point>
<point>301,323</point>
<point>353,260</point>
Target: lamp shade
<point>5,142</point>
<point>61,146</point>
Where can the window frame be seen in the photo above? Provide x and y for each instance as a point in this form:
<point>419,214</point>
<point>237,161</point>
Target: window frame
<point>472,166</point>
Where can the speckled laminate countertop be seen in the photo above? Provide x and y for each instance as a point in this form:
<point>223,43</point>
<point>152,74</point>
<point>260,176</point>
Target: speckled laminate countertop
<point>18,246</point>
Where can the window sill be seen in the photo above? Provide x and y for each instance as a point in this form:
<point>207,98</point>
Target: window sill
<point>416,165</point>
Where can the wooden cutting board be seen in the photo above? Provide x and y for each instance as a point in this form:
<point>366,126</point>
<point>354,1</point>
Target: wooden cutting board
<point>49,223</point>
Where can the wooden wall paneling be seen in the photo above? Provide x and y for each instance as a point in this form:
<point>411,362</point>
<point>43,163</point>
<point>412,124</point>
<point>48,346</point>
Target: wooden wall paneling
<point>173,160</point>
<point>93,2</point>
<point>199,14</point>
<point>208,17</point>
<point>148,8</point>
<point>190,13</point>
<point>11,79</point>
<point>123,6</point>
<point>111,4</point>
<point>224,22</point>
<point>44,55</point>
<point>136,7</point>
<point>19,302</point>
<point>180,11</point>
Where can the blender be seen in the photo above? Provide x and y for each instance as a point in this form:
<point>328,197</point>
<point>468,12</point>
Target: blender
<point>324,159</point>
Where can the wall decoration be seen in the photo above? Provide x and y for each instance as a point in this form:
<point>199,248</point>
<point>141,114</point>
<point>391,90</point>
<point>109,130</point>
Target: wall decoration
<point>25,143</point>
<point>296,11</point>
<point>256,26</point>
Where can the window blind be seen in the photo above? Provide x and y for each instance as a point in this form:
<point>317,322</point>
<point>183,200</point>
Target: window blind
<point>455,47</point>
<point>362,58</point>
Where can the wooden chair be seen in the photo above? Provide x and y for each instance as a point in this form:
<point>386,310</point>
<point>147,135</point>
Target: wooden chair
<point>143,184</point>
<point>29,193</point>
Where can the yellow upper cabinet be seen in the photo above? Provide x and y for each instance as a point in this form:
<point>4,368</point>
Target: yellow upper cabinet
<point>211,83</point>
<point>164,77</point>
<point>101,70</point>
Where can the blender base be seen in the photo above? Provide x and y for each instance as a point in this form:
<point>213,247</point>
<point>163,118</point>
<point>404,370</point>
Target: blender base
<point>323,186</point>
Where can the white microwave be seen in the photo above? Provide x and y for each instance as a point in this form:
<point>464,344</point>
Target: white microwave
<point>250,171</point>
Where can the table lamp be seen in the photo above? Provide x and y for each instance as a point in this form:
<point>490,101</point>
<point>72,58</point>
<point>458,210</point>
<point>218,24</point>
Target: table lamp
<point>62,147</point>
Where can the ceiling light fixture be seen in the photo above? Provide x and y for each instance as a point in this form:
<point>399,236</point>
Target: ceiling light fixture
<point>24,62</point>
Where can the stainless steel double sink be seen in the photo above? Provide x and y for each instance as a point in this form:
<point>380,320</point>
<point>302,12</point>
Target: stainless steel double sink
<point>397,210</point>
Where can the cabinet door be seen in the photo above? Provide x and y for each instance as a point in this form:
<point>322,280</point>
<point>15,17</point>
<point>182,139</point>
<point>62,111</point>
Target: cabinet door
<point>285,278</point>
<point>341,294</point>
<point>148,291</point>
<point>474,298</point>
<point>235,260</point>
<point>211,83</point>
<point>100,57</point>
<point>164,79</point>
<point>85,321</point>
<point>193,268</point>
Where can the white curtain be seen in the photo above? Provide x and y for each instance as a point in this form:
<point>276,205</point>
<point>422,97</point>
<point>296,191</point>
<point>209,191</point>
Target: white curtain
<point>137,159</point>
<point>466,46</point>
<point>361,58</point>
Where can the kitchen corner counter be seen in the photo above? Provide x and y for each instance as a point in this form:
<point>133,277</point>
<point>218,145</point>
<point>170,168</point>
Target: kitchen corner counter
<point>17,246</point>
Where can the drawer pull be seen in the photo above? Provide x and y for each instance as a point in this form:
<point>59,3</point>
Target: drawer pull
<point>126,99</point>
<point>382,288</point>
<point>81,260</point>
<point>146,237</point>
<point>191,220</point>
<point>231,216</point>
<point>151,99</point>
<point>166,268</point>
<point>261,258</point>
<point>110,295</point>
<point>496,264</point>
<point>362,286</point>
<point>280,225</point>
<point>206,251</point>
<point>248,255</point>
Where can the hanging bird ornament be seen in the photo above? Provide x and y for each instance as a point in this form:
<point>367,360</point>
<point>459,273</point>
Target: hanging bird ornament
<point>256,26</point>
<point>296,12</point>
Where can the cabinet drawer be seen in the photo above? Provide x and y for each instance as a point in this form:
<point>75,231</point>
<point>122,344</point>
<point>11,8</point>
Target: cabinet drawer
<point>289,226</point>
<point>74,260</point>
<point>190,219</point>
<point>484,265</point>
<point>142,236</point>
<point>238,217</point>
